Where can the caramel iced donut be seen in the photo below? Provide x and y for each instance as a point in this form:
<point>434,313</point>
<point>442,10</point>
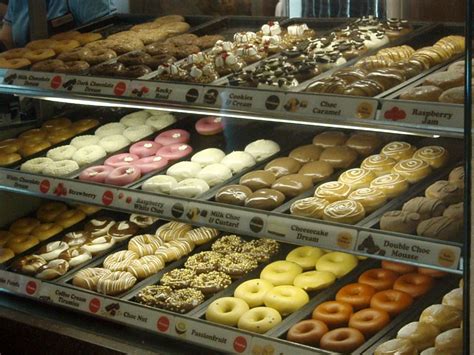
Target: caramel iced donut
<point>414,284</point>
<point>89,277</point>
<point>370,198</point>
<point>226,310</point>
<point>398,150</point>
<point>286,299</point>
<point>53,269</point>
<point>259,320</point>
<point>211,282</point>
<point>364,143</point>
<point>369,321</point>
<point>203,262</point>
<point>21,242</point>
<point>69,218</point>
<point>396,346</point>
<point>442,316</point>
<point>379,164</point>
<point>123,230</point>
<point>306,153</point>
<point>201,235</point>
<point>49,211</point>
<point>52,250</point>
<point>306,257</point>
<point>237,265</point>
<point>75,256</point>
<point>339,157</point>
<point>309,207</point>
<point>28,265</point>
<point>435,156</point>
<point>120,260</point>
<point>253,291</point>
<point>146,266</point>
<point>334,314</point>
<point>344,211</point>
<point>115,283</point>
<point>342,340</point>
<point>391,301</point>
<point>357,178</point>
<point>413,170</point>
<point>379,279</point>
<point>332,191</point>
<point>178,278</point>
<point>97,245</point>
<point>24,225</point>
<point>357,295</point>
<point>173,230</point>
<point>144,244</point>
<point>399,268</point>
<point>336,262</point>
<point>281,272</point>
<point>330,139</point>
<point>421,335</point>
<point>392,185</point>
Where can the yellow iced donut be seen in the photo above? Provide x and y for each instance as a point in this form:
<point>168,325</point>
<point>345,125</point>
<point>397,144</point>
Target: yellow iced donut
<point>286,299</point>
<point>226,310</point>
<point>305,257</point>
<point>253,291</point>
<point>338,263</point>
<point>281,272</point>
<point>259,320</point>
<point>314,280</point>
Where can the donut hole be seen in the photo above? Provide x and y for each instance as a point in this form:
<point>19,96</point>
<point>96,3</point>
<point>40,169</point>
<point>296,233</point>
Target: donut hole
<point>306,328</point>
<point>341,336</point>
<point>368,317</point>
<point>227,308</point>
<point>332,309</point>
<point>286,293</point>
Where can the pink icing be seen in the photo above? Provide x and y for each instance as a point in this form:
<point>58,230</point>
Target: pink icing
<point>172,136</point>
<point>145,148</point>
<point>175,151</point>
<point>209,125</point>
<point>150,164</point>
<point>96,173</point>
<point>123,175</point>
<point>123,159</point>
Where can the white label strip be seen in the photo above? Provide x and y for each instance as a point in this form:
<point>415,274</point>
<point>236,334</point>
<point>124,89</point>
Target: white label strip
<point>408,249</point>
<point>165,91</point>
<point>214,336</point>
<point>21,284</point>
<point>430,114</point>
<point>72,298</point>
<point>89,193</point>
<point>310,233</point>
<point>95,86</point>
<point>138,316</point>
<point>49,81</point>
<point>32,183</point>
<point>238,221</point>
<point>262,346</point>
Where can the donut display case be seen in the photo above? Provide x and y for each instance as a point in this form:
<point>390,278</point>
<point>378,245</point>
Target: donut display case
<point>265,184</point>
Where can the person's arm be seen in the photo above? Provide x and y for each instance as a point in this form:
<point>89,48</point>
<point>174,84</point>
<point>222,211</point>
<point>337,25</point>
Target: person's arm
<point>6,37</point>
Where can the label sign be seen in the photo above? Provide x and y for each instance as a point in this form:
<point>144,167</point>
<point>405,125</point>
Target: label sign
<point>233,220</point>
<point>377,244</point>
<point>21,284</point>
<point>431,114</point>
<point>262,346</point>
<point>95,86</point>
<point>51,81</point>
<point>330,106</point>
<point>71,298</point>
<point>87,193</point>
<point>310,233</point>
<point>214,336</point>
<point>165,91</point>
<point>32,183</point>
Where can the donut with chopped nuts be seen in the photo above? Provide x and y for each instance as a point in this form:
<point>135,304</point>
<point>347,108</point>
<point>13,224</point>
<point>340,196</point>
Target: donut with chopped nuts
<point>237,265</point>
<point>154,295</point>
<point>178,278</point>
<point>203,262</point>
<point>184,300</point>
<point>261,249</point>
<point>228,244</point>
<point>211,282</point>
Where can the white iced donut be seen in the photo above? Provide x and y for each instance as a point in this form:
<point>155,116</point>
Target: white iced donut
<point>215,174</point>
<point>190,188</point>
<point>52,250</point>
<point>84,141</point>
<point>113,143</point>
<point>161,184</point>
<point>262,149</point>
<point>238,161</point>
<point>60,168</point>
<point>135,118</point>
<point>159,120</point>
<point>184,170</point>
<point>89,154</point>
<point>64,152</point>
<point>136,133</point>
<point>35,165</point>
<point>208,156</point>
<point>110,129</point>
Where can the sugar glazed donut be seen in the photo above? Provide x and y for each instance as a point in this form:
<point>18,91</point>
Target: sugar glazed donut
<point>309,332</point>
<point>333,313</point>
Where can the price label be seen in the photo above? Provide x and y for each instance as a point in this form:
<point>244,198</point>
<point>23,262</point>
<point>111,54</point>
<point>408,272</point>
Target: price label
<point>88,193</point>
<point>31,183</point>
<point>311,233</point>
<point>95,86</point>
<point>20,284</point>
<point>165,91</point>
<point>76,299</point>
<point>430,114</point>
<point>418,251</point>
<point>214,336</point>
<point>232,220</point>
<point>50,81</point>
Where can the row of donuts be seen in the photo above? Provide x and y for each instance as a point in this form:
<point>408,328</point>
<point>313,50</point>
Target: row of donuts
<point>98,235</point>
<point>108,138</point>
<point>390,67</point>
<point>208,168</point>
<point>362,309</point>
<point>207,273</point>
<point>438,330</point>
<point>146,255</point>
<point>381,177</point>
<point>259,305</point>
<point>51,218</point>
<point>32,141</point>
<point>438,214</point>
<point>148,156</point>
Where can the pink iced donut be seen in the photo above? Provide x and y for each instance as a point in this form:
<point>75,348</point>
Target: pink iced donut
<point>149,164</point>
<point>174,151</point>
<point>207,126</point>
<point>123,159</point>
<point>123,175</point>
<point>96,173</point>
<point>145,148</point>
<point>172,136</point>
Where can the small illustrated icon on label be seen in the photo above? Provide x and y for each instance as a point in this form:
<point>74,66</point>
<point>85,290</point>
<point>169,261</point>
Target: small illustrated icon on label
<point>181,328</point>
<point>395,114</point>
<point>94,305</point>
<point>44,186</point>
<point>364,110</point>
<point>31,287</point>
<point>107,198</point>
<point>120,88</point>
<point>163,324</point>
<point>56,82</point>
<point>240,344</point>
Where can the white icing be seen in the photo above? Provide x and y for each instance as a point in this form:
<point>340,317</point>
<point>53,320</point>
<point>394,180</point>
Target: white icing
<point>262,149</point>
<point>176,135</point>
<point>160,184</point>
<point>128,159</point>
<point>208,156</point>
<point>157,158</point>
<point>130,171</point>
<point>123,226</point>
<point>195,72</point>
<point>182,147</point>
<point>147,145</point>
<point>231,59</point>
<point>238,161</point>
<point>215,174</point>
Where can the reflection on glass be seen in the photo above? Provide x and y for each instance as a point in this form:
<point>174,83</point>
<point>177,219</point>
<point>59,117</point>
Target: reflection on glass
<point>342,8</point>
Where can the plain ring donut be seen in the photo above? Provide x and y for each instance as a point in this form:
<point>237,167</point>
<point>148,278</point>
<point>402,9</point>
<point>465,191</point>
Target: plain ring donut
<point>226,310</point>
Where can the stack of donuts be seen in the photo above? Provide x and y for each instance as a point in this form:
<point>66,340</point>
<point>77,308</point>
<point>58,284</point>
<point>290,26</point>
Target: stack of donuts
<point>146,255</point>
<point>362,309</point>
<point>207,168</point>
<point>207,273</point>
<point>438,331</point>
<point>98,235</point>
<point>27,232</point>
<point>258,305</point>
<point>86,149</point>
<point>35,140</point>
<point>381,177</point>
<point>438,214</point>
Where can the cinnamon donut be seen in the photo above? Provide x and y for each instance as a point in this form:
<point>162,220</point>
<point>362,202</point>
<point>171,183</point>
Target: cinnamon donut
<point>391,301</point>
<point>369,321</point>
<point>334,314</point>
<point>398,150</point>
<point>413,170</point>
<point>356,294</point>
<point>379,279</point>
<point>414,284</point>
<point>344,211</point>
